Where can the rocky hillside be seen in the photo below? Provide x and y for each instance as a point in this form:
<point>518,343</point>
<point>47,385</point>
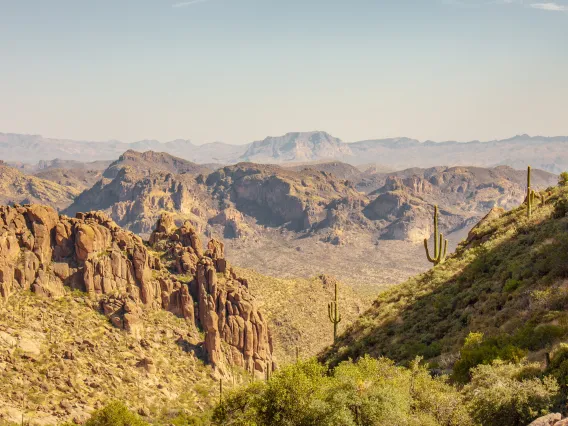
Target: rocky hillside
<point>453,181</point>
<point>138,187</point>
<point>296,310</point>
<point>275,196</point>
<point>150,162</point>
<point>77,175</point>
<point>507,281</point>
<point>463,193</point>
<point>336,168</point>
<point>16,187</point>
<point>78,179</point>
<point>127,280</point>
<point>60,359</point>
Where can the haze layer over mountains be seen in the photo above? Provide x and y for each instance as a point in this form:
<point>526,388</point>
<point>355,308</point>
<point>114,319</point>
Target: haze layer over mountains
<point>546,153</point>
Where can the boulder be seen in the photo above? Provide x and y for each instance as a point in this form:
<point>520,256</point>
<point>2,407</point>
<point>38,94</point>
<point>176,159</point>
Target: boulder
<point>548,420</point>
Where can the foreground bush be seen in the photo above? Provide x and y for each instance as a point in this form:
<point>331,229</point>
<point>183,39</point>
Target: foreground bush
<point>369,392</point>
<point>509,394</point>
<point>115,414</point>
<point>476,350</point>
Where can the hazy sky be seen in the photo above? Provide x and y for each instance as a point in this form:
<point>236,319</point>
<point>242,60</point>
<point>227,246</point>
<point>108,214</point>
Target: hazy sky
<point>240,70</point>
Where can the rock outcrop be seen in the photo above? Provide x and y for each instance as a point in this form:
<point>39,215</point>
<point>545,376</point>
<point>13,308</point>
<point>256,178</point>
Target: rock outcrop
<point>44,252</point>
<point>236,332</point>
<point>554,419</point>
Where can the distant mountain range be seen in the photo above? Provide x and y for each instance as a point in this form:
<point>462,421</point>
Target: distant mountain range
<point>547,153</point>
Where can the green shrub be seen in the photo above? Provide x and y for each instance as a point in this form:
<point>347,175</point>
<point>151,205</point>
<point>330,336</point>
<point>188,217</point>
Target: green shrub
<point>476,350</point>
<point>558,367</point>
<point>115,414</point>
<point>511,285</point>
<point>563,179</point>
<point>535,338</point>
<point>508,394</point>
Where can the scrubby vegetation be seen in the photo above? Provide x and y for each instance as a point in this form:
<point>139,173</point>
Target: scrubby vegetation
<point>509,394</point>
<point>369,392</point>
<point>377,392</point>
<point>509,280</point>
<point>62,356</point>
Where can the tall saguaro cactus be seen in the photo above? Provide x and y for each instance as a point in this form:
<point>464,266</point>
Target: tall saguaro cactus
<point>530,193</point>
<point>334,315</point>
<point>440,245</point>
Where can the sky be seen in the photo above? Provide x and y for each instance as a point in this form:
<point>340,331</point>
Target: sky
<point>240,70</point>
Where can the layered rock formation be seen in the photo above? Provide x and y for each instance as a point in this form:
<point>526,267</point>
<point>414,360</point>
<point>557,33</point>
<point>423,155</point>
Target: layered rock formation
<point>44,252</point>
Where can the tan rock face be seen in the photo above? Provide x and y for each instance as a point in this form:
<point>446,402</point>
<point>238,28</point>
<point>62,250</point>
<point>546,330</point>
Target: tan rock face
<point>226,310</point>
<point>44,252</point>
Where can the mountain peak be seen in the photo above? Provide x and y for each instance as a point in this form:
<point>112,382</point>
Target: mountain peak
<point>296,146</point>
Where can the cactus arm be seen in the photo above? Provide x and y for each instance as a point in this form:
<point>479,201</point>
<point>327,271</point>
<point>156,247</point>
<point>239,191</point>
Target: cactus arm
<point>329,311</point>
<point>445,248</point>
<point>430,258</point>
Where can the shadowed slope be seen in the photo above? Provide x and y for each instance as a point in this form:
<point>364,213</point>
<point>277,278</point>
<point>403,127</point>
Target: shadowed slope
<point>509,278</point>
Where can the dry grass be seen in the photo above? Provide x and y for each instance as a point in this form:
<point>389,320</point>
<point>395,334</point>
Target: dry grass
<point>60,359</point>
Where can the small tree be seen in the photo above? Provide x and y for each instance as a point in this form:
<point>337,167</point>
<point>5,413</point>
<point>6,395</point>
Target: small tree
<point>563,179</point>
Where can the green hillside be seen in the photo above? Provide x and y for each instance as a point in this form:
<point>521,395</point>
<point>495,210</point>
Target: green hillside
<point>508,280</point>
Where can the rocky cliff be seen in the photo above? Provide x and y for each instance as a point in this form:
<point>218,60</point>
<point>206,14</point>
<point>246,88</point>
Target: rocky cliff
<point>275,196</point>
<point>44,252</point>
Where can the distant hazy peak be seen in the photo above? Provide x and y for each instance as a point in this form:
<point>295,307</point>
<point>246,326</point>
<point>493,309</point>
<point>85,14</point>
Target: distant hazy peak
<point>296,146</point>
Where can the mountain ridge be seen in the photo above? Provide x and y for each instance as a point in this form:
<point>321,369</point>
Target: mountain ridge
<point>397,153</point>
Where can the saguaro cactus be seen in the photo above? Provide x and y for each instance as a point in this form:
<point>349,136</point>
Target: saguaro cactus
<point>530,193</point>
<point>440,245</point>
<point>334,315</point>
